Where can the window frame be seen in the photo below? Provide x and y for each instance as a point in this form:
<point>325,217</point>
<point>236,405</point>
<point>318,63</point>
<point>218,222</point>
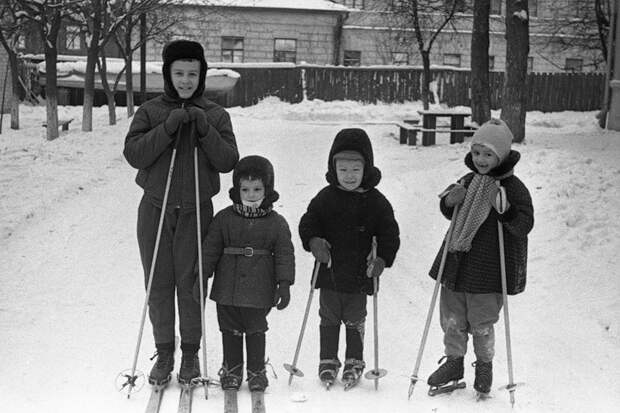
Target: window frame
<point>73,38</point>
<point>453,55</point>
<point>233,49</point>
<point>356,61</point>
<point>287,53</point>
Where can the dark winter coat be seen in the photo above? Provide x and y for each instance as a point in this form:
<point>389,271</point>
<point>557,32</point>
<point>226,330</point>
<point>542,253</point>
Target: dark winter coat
<point>349,219</point>
<point>478,270</point>
<point>248,281</point>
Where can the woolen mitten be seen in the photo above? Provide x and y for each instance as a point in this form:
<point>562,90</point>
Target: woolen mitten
<point>198,116</point>
<point>456,195</point>
<point>175,119</point>
<point>375,267</point>
<point>320,249</point>
<point>283,295</point>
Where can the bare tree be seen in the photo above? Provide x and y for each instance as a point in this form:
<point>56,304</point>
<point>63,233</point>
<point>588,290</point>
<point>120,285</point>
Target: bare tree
<point>582,25</point>
<point>11,29</point>
<point>514,98</point>
<point>480,90</point>
<point>427,19</point>
<point>46,17</point>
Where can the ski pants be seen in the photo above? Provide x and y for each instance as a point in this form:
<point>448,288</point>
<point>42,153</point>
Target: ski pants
<point>336,308</point>
<point>174,270</point>
<point>462,314</point>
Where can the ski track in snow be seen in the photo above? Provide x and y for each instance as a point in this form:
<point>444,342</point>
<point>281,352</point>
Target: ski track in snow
<point>72,290</point>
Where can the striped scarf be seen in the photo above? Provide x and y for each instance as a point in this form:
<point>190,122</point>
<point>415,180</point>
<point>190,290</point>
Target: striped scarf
<point>251,212</point>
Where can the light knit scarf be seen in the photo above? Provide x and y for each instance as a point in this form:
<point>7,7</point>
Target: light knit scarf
<point>251,212</point>
<point>472,213</point>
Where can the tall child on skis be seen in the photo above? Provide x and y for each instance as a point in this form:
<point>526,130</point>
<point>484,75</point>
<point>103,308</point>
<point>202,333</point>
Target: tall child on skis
<point>471,291</point>
<point>249,249</point>
<point>338,228</point>
<point>181,114</point>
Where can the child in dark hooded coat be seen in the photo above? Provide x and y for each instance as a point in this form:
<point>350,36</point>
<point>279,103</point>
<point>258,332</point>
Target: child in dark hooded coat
<point>338,228</point>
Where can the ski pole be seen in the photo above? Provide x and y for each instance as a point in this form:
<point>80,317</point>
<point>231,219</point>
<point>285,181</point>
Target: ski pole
<point>429,316</point>
<point>376,373</point>
<point>131,379</point>
<point>501,208</point>
<point>292,368</point>
<point>200,267</point>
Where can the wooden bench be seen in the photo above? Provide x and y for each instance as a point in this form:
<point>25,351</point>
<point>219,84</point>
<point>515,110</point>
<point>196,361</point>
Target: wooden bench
<point>457,125</point>
<point>408,131</point>
<point>63,123</point>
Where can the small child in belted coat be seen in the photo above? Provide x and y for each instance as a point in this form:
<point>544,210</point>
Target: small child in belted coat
<point>338,228</point>
<point>471,291</point>
<point>249,248</point>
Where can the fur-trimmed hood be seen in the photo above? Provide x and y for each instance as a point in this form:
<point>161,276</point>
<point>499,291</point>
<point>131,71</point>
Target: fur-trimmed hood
<point>354,139</point>
<point>256,167</point>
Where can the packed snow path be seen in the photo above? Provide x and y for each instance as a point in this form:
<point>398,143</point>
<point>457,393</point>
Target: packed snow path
<point>72,293</point>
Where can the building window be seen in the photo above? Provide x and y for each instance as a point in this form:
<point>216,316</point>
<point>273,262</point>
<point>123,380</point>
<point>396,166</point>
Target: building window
<point>530,64</point>
<point>400,58</point>
<point>532,6</point>
<point>354,4</point>
<point>496,7</point>
<point>452,59</point>
<point>573,65</point>
<point>491,62</point>
<point>352,58</point>
<point>232,49</point>
<point>285,50</point>
<point>72,38</point>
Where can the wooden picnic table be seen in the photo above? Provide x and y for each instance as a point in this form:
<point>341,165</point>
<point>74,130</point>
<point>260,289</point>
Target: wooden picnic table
<point>429,124</point>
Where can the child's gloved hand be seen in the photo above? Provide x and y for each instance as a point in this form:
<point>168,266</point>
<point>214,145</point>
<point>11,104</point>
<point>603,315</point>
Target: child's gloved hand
<point>200,117</point>
<point>498,199</point>
<point>375,267</point>
<point>283,295</point>
<point>455,196</point>
<point>320,249</point>
<point>175,119</point>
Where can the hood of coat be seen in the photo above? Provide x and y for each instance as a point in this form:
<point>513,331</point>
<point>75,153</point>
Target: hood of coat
<point>500,170</point>
<point>354,139</point>
<point>183,49</point>
<point>255,167</point>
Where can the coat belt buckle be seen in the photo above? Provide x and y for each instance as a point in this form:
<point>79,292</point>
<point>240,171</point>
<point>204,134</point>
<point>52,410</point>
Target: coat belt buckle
<point>248,252</point>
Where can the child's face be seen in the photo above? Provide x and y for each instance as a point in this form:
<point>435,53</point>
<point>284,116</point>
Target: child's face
<point>349,173</point>
<point>251,190</point>
<point>484,158</point>
<point>185,76</point>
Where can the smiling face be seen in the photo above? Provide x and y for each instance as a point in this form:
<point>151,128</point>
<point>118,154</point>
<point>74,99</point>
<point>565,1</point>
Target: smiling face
<point>349,173</point>
<point>484,158</point>
<point>251,191</point>
<point>185,75</point>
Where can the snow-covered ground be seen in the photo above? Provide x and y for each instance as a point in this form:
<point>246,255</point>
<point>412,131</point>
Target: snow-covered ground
<point>71,292</point>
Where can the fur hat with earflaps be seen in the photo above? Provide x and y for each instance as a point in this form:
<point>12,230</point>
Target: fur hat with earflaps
<point>254,167</point>
<point>178,50</point>
<point>353,144</point>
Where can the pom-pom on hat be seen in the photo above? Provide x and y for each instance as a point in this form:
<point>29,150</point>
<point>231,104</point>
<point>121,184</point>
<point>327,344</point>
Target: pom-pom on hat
<point>183,49</point>
<point>254,167</point>
<point>495,135</point>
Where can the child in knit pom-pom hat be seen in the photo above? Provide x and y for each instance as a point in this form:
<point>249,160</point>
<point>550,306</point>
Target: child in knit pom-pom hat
<point>338,228</point>
<point>181,119</point>
<point>250,250</point>
<point>471,291</point>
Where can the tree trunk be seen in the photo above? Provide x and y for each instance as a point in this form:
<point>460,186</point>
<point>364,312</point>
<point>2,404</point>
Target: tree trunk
<point>514,99</point>
<point>480,91</point>
<point>16,89</point>
<point>129,76</point>
<point>111,107</point>
<point>51,92</point>
<point>426,78</point>
<point>89,89</point>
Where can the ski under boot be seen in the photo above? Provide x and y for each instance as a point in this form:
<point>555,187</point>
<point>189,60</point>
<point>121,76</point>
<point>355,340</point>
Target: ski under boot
<point>230,379</point>
<point>160,373</point>
<point>484,379</point>
<point>328,371</point>
<point>450,371</point>
<point>257,381</point>
<point>190,367</point>
<point>352,372</point>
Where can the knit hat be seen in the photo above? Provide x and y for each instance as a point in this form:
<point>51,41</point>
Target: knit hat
<point>353,143</point>
<point>349,155</point>
<point>254,167</point>
<point>183,49</point>
<point>495,135</point>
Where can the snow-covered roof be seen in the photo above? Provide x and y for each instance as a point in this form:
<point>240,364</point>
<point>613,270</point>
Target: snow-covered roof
<point>322,5</point>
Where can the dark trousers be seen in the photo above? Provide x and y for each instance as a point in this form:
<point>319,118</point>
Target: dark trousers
<point>349,309</point>
<point>234,322</point>
<point>174,270</point>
